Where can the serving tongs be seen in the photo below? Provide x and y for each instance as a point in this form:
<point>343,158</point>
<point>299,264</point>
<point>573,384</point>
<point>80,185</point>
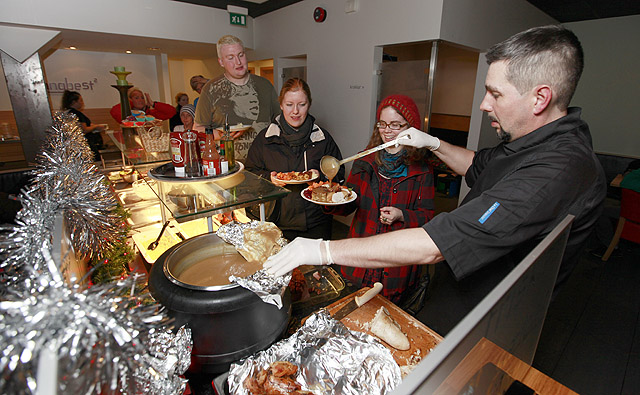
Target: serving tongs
<point>329,162</point>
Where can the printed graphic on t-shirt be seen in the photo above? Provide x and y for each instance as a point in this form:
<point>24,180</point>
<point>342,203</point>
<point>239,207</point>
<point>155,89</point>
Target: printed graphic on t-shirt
<point>241,104</point>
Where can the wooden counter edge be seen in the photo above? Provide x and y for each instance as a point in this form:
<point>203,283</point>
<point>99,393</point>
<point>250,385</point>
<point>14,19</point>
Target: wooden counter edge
<point>487,352</point>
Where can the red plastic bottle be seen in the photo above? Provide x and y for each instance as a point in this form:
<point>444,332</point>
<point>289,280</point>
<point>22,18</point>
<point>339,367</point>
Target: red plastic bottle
<point>210,156</point>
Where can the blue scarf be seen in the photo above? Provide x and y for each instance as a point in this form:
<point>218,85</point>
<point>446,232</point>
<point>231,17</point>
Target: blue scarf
<point>393,165</point>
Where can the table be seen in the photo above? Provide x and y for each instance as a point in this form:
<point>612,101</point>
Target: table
<point>485,352</point>
<point>616,181</point>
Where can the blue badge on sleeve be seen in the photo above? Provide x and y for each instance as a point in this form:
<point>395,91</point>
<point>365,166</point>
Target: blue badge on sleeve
<point>488,213</point>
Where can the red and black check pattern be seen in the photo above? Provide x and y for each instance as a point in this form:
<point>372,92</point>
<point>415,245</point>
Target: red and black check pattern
<point>413,194</point>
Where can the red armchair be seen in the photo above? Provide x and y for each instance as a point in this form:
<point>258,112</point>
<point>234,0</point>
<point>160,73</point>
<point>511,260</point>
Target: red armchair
<point>629,222</point>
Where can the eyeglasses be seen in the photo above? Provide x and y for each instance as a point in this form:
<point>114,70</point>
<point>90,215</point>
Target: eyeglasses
<point>392,125</point>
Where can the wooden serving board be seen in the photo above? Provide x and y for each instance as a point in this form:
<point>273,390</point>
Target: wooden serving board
<point>422,338</point>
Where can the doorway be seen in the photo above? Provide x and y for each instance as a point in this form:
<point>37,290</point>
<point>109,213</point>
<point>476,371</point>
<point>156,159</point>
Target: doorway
<point>444,99</point>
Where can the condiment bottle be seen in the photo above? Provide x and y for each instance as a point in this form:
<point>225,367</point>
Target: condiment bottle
<point>191,154</point>
<point>210,156</point>
<point>227,141</point>
<point>177,153</point>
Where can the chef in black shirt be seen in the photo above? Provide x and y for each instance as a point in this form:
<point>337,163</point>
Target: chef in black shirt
<point>543,169</point>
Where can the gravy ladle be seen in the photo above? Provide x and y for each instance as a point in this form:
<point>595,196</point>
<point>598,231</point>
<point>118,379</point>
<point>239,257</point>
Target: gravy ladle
<point>329,164</point>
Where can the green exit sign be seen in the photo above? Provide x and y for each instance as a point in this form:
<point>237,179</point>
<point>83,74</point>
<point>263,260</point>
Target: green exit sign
<point>238,19</point>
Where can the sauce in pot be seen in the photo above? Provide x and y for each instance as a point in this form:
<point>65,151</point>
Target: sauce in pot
<point>215,269</point>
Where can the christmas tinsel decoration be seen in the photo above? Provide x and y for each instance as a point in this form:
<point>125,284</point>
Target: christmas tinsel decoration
<point>61,337</point>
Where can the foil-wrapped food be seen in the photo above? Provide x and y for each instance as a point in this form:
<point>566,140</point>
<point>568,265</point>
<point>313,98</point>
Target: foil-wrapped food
<point>256,241</point>
<point>328,359</point>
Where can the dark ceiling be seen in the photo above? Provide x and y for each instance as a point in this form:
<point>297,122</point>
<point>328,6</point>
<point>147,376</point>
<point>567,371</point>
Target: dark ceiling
<point>584,10</point>
<point>561,10</point>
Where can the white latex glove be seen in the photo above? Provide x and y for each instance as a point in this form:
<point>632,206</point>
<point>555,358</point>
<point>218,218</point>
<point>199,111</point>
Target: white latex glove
<point>419,139</point>
<point>299,252</point>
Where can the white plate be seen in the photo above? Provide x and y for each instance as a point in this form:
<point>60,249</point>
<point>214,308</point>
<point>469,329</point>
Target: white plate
<point>314,175</point>
<point>353,197</point>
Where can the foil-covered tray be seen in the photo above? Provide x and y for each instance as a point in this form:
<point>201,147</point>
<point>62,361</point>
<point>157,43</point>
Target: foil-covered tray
<point>331,359</point>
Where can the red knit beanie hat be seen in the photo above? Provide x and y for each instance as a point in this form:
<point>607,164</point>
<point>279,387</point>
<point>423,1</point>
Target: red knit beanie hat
<point>405,106</point>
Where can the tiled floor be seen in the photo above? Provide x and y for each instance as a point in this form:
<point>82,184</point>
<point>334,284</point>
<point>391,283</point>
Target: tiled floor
<point>591,338</point>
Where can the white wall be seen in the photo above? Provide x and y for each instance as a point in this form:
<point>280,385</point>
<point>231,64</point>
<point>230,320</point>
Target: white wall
<point>163,19</point>
<point>146,18</point>
<point>88,73</point>
<point>480,24</point>
<point>609,90</point>
<point>341,52</point>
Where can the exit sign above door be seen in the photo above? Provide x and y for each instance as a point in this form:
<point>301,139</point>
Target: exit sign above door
<point>237,19</point>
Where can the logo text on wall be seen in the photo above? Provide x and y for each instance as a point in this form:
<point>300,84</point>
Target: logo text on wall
<point>61,86</point>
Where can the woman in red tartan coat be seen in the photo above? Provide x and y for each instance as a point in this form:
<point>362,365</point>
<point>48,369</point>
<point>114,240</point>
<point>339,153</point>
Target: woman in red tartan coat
<point>395,190</point>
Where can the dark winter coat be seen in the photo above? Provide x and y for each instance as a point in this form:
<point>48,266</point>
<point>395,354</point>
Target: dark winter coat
<point>269,152</point>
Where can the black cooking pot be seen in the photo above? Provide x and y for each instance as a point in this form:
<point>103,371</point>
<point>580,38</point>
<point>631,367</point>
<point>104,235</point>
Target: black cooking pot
<point>227,322</point>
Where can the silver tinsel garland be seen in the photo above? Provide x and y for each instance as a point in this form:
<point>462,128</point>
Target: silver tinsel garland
<point>59,337</point>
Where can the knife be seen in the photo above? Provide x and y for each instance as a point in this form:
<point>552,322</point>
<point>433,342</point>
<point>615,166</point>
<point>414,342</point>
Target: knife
<point>357,302</point>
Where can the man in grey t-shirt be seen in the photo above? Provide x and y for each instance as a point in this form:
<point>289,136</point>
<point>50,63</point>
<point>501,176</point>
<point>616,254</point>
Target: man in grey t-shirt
<point>245,98</point>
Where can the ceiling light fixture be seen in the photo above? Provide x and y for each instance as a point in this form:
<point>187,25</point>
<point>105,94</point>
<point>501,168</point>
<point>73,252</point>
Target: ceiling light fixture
<point>72,47</point>
<point>127,51</point>
<point>153,48</point>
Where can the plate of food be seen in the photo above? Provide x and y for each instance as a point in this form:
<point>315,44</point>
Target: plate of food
<point>298,177</point>
<point>328,195</point>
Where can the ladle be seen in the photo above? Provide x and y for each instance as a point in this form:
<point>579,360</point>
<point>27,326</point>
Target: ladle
<point>330,165</point>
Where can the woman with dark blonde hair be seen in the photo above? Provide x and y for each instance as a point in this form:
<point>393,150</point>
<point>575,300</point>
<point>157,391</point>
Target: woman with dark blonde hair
<point>294,142</point>
<point>73,103</point>
<point>141,101</point>
<point>395,191</point>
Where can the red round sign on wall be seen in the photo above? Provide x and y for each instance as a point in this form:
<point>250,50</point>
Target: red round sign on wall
<point>319,14</point>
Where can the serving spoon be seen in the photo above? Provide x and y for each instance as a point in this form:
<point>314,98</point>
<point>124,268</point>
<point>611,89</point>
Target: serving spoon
<point>153,245</point>
<point>330,165</point>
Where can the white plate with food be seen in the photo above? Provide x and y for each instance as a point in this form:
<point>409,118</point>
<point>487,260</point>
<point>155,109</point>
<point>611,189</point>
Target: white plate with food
<point>298,177</point>
<point>321,193</point>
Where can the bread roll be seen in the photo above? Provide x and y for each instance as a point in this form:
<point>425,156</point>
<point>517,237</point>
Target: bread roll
<point>260,242</point>
<point>388,330</point>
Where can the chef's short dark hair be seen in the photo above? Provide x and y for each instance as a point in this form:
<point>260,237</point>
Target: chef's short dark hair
<point>550,55</point>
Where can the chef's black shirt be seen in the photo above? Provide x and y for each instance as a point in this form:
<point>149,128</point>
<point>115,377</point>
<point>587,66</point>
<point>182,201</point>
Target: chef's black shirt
<point>519,192</point>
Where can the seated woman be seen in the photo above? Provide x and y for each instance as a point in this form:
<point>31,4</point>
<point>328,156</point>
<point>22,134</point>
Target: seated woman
<point>293,142</point>
<point>182,99</point>
<point>395,190</point>
<point>140,101</point>
<point>72,102</point>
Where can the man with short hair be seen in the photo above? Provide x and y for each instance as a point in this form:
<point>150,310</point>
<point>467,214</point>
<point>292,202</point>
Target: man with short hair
<point>246,99</point>
<point>543,169</point>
